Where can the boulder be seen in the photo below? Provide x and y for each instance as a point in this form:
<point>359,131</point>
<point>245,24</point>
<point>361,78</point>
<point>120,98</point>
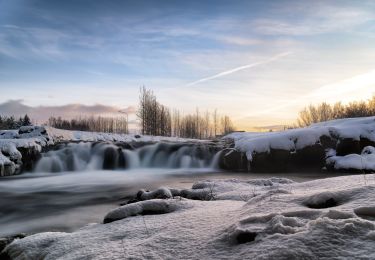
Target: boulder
<point>308,158</point>
<point>363,142</point>
<point>110,158</point>
<point>347,146</point>
<point>231,159</point>
<point>276,160</point>
<point>30,156</point>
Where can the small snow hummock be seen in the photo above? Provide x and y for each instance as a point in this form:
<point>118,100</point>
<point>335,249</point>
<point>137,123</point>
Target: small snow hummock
<point>331,218</point>
<point>355,162</point>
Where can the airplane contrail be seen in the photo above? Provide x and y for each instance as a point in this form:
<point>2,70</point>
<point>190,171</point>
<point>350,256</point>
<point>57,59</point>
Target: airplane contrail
<point>248,66</point>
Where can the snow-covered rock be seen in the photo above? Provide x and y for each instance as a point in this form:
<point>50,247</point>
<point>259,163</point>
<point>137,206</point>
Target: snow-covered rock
<point>257,219</point>
<point>304,147</point>
<point>19,149</point>
<point>354,162</point>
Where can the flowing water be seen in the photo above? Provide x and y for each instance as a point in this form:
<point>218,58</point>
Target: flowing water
<point>78,183</point>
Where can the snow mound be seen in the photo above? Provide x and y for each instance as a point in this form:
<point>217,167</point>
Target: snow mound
<point>355,162</point>
<point>149,207</point>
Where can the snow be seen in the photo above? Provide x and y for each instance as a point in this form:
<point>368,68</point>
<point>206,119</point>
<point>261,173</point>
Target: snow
<point>66,135</point>
<point>148,207</point>
<point>353,128</point>
<point>296,139</point>
<point>364,161</point>
<point>276,218</point>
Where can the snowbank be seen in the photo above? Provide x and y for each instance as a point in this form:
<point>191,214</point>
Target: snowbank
<point>337,137</point>
<point>355,162</point>
<point>259,219</point>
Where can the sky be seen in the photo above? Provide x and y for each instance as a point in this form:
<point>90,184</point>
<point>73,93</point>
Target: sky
<point>260,62</point>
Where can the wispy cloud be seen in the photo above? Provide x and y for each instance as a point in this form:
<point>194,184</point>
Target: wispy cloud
<point>248,66</point>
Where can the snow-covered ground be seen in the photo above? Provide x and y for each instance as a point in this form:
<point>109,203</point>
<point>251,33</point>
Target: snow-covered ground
<point>256,219</point>
<point>359,131</point>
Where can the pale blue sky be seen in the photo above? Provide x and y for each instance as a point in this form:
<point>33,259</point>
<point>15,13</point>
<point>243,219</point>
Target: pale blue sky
<point>261,61</point>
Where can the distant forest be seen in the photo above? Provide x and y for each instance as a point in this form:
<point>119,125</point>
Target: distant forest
<point>10,122</point>
<point>324,112</point>
<point>117,125</point>
<point>155,119</point>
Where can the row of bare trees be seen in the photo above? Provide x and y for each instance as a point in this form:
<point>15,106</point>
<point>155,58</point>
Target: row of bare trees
<point>157,119</point>
<point>324,112</point>
<point>94,124</point>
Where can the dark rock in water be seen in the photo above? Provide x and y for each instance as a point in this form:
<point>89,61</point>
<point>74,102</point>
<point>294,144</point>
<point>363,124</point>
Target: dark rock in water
<point>366,142</point>
<point>328,142</point>
<point>308,158</point>
<point>348,146</point>
<point>121,159</point>
<point>232,159</point>
<point>4,241</point>
<point>276,160</point>
<point>7,169</point>
<point>123,145</point>
<point>110,158</point>
<point>137,136</point>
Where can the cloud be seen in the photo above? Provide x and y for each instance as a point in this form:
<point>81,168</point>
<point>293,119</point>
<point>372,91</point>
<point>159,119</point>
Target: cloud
<point>248,66</point>
<point>42,113</point>
<point>316,20</point>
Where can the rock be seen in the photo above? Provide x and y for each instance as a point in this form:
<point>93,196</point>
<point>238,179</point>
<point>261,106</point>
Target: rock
<point>274,161</point>
<point>348,146</point>
<point>4,241</point>
<point>231,159</point>
<point>308,158</point>
<point>366,142</point>
<point>123,145</point>
<point>110,158</point>
<point>30,156</point>
<point>328,142</point>
<point>121,159</point>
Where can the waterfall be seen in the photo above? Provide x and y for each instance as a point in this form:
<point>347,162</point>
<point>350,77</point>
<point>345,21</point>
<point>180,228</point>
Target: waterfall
<point>96,156</point>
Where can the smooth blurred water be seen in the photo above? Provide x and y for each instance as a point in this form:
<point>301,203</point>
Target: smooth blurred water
<point>35,202</point>
<point>97,156</point>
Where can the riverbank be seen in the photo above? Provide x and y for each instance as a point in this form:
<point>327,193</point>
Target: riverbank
<point>258,219</point>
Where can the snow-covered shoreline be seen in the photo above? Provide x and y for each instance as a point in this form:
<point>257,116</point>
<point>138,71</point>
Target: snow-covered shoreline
<point>257,219</point>
<point>338,145</point>
<point>342,145</point>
